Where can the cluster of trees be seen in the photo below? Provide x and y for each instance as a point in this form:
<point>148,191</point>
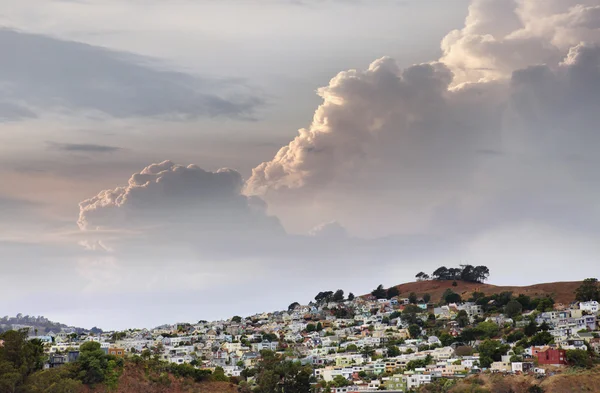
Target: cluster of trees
<point>588,290</point>
<point>330,296</point>
<point>21,362</point>
<point>381,293</point>
<point>468,273</point>
<point>274,374</point>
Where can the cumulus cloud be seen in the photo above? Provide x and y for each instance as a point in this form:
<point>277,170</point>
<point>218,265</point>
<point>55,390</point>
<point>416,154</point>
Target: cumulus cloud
<point>48,74</point>
<point>330,230</point>
<point>502,36</point>
<point>166,195</point>
<point>414,144</point>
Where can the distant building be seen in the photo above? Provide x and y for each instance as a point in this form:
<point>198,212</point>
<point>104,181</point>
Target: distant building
<point>551,356</point>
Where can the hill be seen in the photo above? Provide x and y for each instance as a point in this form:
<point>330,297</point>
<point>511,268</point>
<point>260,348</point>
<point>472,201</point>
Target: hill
<point>564,381</point>
<point>561,292</point>
<point>136,379</point>
<point>38,325</point>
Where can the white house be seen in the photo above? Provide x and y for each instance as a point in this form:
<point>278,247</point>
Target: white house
<point>591,306</point>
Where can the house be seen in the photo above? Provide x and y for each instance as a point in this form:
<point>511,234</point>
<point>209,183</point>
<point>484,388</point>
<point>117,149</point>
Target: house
<point>521,367</point>
<point>551,356</point>
<point>591,306</point>
<point>503,367</point>
<point>56,360</point>
<point>118,352</point>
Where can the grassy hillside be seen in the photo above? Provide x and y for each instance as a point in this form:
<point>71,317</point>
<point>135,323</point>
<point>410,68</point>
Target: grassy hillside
<point>561,292</point>
<point>571,381</point>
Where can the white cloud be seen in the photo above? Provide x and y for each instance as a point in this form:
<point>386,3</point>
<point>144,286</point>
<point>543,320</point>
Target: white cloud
<point>503,124</point>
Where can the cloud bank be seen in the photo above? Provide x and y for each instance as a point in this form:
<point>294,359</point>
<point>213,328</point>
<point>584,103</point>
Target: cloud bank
<point>45,74</point>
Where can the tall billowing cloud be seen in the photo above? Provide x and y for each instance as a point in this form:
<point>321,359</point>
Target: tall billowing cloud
<point>164,196</point>
<point>502,36</point>
<point>512,98</point>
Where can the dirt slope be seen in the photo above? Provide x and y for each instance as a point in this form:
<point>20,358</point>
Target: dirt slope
<point>562,292</point>
<point>563,382</point>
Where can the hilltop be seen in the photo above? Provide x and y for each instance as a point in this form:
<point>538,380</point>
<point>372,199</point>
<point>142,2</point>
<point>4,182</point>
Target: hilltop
<point>561,292</point>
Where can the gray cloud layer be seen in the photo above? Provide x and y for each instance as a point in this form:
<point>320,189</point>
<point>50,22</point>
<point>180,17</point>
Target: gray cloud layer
<point>40,73</point>
<point>83,147</point>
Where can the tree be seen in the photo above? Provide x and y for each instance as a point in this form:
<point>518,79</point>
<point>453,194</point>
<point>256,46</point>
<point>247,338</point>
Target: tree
<point>324,297</point>
<point>236,319</point>
<point>276,375</point>
<point>319,327</point>
<point>588,290</point>
<point>531,328</point>
<point>339,381</point>
<point>310,328</point>
<point>92,363</point>
<point>412,298</point>
<point>393,351</point>
<point>293,306</point>
<point>426,298</point>
<point>579,358</point>
<point>338,296</point>
<point>414,330</point>
<point>409,315</point>
<point>541,338</point>
<point>491,351</point>
<point>513,308</point>
<point>379,292</point>
<point>525,301</point>
<point>350,296</point>
<point>450,296</point>
<point>441,273</point>
<point>392,292</point>
<point>481,273</point>
<point>463,350</point>
<point>462,318</point>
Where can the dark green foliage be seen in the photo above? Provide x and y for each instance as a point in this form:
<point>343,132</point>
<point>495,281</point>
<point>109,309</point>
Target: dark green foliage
<point>412,298</point>
<point>414,330</point>
<point>379,292</point>
<point>466,273</point>
<point>513,308</point>
<point>588,290</point>
<point>350,296</point>
<point>491,351</point>
<point>426,298</point>
<point>393,351</point>
<point>449,296</point>
<point>579,358</point>
<point>276,375</point>
<point>338,296</point>
<point>392,292</point>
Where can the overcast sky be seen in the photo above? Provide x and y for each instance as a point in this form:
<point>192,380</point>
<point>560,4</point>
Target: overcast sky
<point>197,159</point>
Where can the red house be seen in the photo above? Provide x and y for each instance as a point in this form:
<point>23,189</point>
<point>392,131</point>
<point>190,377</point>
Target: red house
<point>552,356</point>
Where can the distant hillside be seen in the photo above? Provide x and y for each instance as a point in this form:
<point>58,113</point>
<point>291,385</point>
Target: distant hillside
<point>39,324</point>
<point>561,292</point>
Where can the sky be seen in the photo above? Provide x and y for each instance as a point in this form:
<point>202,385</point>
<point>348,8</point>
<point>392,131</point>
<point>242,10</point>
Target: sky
<point>177,161</point>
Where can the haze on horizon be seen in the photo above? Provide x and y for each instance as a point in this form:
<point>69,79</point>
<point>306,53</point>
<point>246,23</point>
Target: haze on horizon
<point>178,161</point>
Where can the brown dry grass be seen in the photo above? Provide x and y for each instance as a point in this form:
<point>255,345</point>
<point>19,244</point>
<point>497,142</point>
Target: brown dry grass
<point>561,292</point>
